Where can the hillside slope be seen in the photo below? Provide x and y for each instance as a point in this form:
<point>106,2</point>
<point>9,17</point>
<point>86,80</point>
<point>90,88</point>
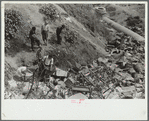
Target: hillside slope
<point>91,34</point>
<point>93,47</point>
<point>82,64</point>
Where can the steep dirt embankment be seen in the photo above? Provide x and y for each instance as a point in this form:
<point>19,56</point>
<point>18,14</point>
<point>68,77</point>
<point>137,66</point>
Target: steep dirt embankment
<point>85,49</point>
<point>83,13</point>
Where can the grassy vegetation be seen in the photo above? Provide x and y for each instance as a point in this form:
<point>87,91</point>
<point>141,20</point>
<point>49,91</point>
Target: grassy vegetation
<point>16,31</point>
<point>84,14</point>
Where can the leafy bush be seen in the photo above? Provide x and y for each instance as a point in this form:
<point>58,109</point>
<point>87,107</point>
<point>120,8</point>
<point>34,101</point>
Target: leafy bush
<point>49,11</point>
<point>70,35</point>
<point>12,22</point>
<point>15,24</point>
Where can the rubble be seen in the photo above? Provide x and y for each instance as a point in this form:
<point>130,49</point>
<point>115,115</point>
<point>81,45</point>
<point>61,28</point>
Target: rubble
<point>91,82</point>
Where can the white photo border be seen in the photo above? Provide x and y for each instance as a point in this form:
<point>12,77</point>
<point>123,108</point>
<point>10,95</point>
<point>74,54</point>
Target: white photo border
<point>65,109</point>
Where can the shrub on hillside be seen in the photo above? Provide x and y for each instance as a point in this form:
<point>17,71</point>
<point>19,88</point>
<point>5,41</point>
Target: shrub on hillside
<point>70,35</point>
<point>16,30</point>
<point>49,11</point>
<point>13,20</point>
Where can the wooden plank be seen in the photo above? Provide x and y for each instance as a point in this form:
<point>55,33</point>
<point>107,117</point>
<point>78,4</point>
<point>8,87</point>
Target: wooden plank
<point>82,89</point>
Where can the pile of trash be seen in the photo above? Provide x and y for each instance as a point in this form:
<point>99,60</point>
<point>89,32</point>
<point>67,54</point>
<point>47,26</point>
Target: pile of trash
<point>105,78</point>
<point>128,56</point>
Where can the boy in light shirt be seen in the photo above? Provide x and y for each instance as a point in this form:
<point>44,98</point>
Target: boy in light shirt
<point>45,28</point>
<point>22,72</point>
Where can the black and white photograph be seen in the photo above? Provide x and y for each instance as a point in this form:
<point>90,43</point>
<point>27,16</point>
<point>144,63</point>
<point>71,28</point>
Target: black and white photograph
<point>74,51</point>
<point>57,51</point>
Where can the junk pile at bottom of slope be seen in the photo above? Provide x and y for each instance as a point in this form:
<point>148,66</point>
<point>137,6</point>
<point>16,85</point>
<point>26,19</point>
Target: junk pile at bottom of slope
<point>105,78</point>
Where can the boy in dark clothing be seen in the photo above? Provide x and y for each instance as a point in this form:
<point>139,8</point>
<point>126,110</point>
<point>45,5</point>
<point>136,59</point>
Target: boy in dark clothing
<point>32,36</point>
<point>32,32</point>
<point>58,32</point>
